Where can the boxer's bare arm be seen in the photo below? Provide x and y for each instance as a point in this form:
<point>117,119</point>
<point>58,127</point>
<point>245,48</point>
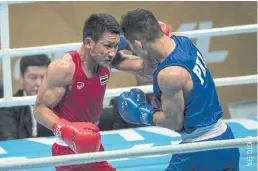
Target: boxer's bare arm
<point>133,64</point>
<point>172,81</point>
<point>52,89</point>
<point>129,63</point>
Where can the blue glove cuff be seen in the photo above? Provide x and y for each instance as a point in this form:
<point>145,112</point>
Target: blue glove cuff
<point>122,44</point>
<point>147,112</point>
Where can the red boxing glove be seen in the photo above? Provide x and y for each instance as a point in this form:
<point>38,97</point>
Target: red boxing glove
<point>164,28</point>
<point>81,137</point>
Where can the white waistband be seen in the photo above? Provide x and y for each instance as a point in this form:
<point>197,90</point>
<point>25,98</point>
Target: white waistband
<point>61,142</point>
<point>205,132</point>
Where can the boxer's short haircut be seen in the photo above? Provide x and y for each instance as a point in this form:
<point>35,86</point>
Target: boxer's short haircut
<point>33,60</point>
<point>97,24</point>
<point>140,24</point>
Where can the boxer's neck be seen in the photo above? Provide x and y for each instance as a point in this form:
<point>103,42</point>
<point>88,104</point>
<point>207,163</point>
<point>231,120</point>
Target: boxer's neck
<point>161,48</point>
<point>89,65</point>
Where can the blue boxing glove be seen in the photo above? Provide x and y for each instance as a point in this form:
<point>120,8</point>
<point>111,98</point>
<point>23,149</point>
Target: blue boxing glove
<point>133,108</point>
<point>122,44</point>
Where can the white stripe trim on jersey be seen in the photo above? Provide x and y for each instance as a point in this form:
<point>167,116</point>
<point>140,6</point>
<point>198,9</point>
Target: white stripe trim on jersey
<point>205,133</point>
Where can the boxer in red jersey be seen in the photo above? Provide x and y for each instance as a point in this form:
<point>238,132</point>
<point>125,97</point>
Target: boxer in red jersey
<point>70,98</point>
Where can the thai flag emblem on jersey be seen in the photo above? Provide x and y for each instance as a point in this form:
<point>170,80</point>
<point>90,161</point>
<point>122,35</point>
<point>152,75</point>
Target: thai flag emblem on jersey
<point>103,79</point>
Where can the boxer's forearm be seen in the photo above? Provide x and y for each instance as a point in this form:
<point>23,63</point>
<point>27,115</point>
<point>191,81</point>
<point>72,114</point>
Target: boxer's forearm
<point>131,64</point>
<point>125,62</point>
<point>172,122</point>
<point>45,116</point>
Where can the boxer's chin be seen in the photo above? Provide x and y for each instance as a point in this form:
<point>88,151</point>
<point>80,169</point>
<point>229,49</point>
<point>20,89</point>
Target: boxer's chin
<point>105,63</point>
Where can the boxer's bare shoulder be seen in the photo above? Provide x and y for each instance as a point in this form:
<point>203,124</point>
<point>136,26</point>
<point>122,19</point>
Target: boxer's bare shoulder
<point>53,87</point>
<point>61,71</point>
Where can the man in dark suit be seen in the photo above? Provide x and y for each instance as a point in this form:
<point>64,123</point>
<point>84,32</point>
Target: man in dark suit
<point>18,122</point>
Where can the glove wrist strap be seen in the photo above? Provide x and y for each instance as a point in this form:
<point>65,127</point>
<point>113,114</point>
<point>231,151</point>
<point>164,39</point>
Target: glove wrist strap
<point>57,127</point>
<point>147,112</point>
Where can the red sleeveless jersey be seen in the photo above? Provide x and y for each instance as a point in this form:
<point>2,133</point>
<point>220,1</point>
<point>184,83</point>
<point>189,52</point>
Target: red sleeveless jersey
<point>84,102</point>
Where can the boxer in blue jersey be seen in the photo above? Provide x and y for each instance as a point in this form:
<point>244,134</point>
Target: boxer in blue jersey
<point>184,88</point>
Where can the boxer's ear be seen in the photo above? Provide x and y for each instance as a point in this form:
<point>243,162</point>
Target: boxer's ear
<point>165,28</point>
<point>138,44</point>
<point>88,42</point>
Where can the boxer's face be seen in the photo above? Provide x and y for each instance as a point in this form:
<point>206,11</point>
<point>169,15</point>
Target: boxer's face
<point>105,48</point>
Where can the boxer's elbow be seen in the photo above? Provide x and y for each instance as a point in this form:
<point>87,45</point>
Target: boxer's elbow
<point>171,121</point>
<point>37,112</point>
<point>179,122</point>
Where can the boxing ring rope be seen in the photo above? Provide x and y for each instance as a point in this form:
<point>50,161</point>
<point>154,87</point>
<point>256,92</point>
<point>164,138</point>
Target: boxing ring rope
<point>6,54</point>
<point>73,46</point>
<point>120,154</point>
<point>112,93</point>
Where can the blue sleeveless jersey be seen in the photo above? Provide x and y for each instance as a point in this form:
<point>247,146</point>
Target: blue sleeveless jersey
<point>202,106</point>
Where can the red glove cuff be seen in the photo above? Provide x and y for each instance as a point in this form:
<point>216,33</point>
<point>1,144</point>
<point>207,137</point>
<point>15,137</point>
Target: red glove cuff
<point>57,127</point>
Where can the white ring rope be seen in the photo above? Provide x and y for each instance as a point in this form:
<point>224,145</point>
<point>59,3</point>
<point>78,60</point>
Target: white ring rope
<point>8,100</point>
<point>73,46</point>
<point>6,53</point>
<point>119,154</point>
<point>15,2</point>
<point>223,31</point>
<point>227,81</point>
<point>111,93</point>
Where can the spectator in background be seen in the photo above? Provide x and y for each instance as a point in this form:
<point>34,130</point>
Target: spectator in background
<point>18,122</point>
<point>119,123</point>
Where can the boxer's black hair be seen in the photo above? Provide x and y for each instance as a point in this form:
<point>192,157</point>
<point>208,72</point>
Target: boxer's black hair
<point>140,24</point>
<point>99,23</point>
<point>33,60</point>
